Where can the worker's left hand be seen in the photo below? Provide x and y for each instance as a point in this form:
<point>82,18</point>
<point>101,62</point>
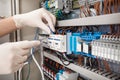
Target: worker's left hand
<point>37,18</point>
<point>14,54</point>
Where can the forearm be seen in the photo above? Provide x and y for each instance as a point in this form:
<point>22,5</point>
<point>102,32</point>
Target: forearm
<point>6,26</point>
<point>30,19</point>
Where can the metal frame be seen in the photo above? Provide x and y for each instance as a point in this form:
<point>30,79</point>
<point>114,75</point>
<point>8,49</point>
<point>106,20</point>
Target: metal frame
<point>95,20</point>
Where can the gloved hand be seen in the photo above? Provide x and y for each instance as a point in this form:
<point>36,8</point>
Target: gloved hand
<point>37,18</point>
<point>13,55</point>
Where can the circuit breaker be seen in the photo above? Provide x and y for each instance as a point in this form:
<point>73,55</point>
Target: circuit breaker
<point>57,42</point>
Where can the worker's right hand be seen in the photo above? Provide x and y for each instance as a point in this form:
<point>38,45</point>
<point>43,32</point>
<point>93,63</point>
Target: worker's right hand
<point>38,18</point>
<point>13,55</point>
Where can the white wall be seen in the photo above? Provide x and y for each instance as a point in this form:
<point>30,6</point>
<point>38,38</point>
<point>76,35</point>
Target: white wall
<point>7,77</point>
<point>4,39</point>
<point>5,10</point>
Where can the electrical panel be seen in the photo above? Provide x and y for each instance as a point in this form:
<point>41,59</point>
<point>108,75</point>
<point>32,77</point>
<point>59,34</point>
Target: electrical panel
<point>95,50</point>
<point>93,47</point>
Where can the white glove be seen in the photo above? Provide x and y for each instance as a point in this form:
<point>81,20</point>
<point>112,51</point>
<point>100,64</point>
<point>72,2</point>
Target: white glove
<point>13,55</point>
<point>37,18</point>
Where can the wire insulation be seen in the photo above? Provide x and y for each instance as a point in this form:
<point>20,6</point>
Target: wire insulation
<point>19,72</point>
<point>40,69</point>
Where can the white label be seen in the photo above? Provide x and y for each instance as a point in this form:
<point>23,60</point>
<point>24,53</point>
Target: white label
<point>85,48</point>
<point>112,52</point>
<point>116,52</point>
<point>102,51</point>
<point>96,49</point>
<point>79,47</point>
<point>109,53</point>
<point>105,52</point>
<point>93,50</point>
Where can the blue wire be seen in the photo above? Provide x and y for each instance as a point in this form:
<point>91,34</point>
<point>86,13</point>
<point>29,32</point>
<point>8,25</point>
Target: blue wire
<point>51,30</point>
<point>36,38</point>
<point>33,49</point>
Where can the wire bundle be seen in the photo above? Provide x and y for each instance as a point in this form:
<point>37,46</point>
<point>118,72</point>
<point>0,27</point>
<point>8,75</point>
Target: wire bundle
<point>34,59</point>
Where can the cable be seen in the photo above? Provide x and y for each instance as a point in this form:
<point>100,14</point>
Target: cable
<point>90,62</point>
<point>85,61</point>
<point>64,62</point>
<point>98,63</point>
<point>35,38</point>
<point>66,58</point>
<point>107,67</point>
<point>19,77</point>
<point>28,72</point>
<point>62,57</point>
<point>40,69</point>
<point>19,74</point>
<point>33,57</point>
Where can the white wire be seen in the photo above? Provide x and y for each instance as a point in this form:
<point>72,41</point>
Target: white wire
<point>31,52</point>
<point>34,59</point>
<point>19,74</point>
<point>40,69</point>
<point>19,77</point>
